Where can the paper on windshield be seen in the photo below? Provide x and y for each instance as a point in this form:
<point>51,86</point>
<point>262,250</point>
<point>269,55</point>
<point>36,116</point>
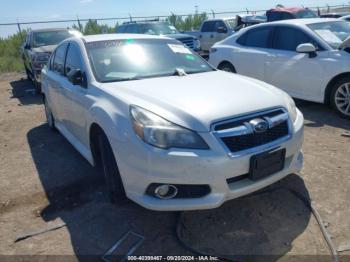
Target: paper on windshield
<point>329,36</point>
<point>179,49</point>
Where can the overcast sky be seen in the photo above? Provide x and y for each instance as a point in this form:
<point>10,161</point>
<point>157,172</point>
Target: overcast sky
<point>23,11</point>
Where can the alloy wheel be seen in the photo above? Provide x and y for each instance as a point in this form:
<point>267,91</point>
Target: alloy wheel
<point>342,99</point>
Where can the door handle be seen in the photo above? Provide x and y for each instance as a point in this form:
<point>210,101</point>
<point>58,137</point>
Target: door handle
<point>211,36</point>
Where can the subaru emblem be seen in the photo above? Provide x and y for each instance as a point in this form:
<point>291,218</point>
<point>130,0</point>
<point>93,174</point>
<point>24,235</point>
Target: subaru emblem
<point>259,125</point>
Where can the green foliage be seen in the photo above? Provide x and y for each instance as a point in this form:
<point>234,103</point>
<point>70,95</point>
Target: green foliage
<point>190,22</point>
<point>10,59</point>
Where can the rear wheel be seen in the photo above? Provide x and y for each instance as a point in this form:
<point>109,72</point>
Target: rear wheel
<point>227,67</point>
<point>110,169</point>
<point>340,97</point>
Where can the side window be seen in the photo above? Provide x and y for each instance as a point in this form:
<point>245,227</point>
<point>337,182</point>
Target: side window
<point>287,38</point>
<point>208,26</point>
<point>58,62</point>
<point>219,24</point>
<point>121,29</point>
<point>133,29</point>
<point>259,37</point>
<point>73,60</point>
<point>51,61</point>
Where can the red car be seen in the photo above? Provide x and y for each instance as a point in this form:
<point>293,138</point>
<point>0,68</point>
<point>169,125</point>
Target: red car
<point>283,13</point>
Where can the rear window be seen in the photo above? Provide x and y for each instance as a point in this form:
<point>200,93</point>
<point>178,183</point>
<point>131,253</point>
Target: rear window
<point>259,37</point>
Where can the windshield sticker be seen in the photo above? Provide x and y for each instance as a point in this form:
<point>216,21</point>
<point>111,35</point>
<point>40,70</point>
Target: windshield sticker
<point>179,49</point>
<point>329,36</point>
<point>190,57</point>
<point>104,44</point>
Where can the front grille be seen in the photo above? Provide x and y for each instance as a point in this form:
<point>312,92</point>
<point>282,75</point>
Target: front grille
<point>251,139</point>
<point>188,42</point>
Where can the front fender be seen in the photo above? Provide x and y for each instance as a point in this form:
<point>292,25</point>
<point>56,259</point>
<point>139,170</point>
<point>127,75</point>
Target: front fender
<point>114,121</point>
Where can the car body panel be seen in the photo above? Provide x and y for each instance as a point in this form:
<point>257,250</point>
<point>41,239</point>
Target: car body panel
<point>298,74</point>
<point>193,101</point>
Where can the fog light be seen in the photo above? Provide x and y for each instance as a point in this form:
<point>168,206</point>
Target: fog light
<point>165,191</point>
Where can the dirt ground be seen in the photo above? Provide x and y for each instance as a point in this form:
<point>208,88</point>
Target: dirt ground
<point>44,182</point>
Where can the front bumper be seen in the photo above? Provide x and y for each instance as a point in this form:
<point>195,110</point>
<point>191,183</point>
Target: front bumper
<point>141,165</point>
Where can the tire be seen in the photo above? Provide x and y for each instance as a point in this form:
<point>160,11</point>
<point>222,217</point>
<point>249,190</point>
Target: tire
<point>109,166</point>
<point>37,87</point>
<point>49,116</point>
<point>227,67</point>
<point>340,97</point>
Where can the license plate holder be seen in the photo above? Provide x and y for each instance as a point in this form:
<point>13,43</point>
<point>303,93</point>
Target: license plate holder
<point>267,163</point>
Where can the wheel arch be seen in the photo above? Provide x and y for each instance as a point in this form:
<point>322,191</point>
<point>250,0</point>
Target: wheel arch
<point>227,62</point>
<point>330,85</point>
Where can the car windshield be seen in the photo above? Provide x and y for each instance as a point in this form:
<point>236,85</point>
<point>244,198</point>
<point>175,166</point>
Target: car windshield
<point>334,33</point>
<point>158,29</point>
<point>50,37</point>
<point>130,59</point>
<point>306,14</point>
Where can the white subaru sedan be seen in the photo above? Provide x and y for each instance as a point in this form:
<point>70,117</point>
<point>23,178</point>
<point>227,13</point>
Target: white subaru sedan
<point>307,58</point>
<point>169,131</point>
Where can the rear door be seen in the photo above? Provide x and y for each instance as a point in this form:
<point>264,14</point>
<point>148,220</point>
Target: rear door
<point>55,79</point>
<point>298,74</point>
<point>250,54</point>
<point>206,36</point>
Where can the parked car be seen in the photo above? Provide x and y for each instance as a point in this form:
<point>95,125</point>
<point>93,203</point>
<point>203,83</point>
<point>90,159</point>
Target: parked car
<point>285,13</point>
<point>38,47</point>
<point>159,28</point>
<point>334,15</point>
<point>214,30</point>
<point>307,58</point>
<point>170,131</point>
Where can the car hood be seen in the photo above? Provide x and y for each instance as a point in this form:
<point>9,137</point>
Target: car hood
<point>179,36</point>
<point>44,49</point>
<point>197,101</point>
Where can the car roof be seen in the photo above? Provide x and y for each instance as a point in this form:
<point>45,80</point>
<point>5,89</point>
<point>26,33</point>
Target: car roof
<point>222,18</point>
<point>107,37</point>
<point>303,21</point>
<point>292,10</point>
<point>51,29</point>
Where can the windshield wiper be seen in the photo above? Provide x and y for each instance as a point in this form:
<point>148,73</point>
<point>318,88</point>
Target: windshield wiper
<point>179,72</point>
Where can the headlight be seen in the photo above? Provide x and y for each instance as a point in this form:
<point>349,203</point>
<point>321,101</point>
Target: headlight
<point>196,44</point>
<point>158,132</point>
<point>292,109</point>
<point>41,57</point>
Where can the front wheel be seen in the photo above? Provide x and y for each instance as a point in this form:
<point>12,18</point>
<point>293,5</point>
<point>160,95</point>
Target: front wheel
<point>110,169</point>
<point>340,97</point>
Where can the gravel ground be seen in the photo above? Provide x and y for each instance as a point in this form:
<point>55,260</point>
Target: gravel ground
<point>44,182</point>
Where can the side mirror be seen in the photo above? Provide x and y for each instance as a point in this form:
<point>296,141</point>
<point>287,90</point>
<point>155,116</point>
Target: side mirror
<point>26,46</point>
<point>77,77</point>
<point>307,48</point>
<point>221,30</point>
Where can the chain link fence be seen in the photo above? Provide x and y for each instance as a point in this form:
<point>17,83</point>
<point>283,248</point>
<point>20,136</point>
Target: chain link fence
<point>113,21</point>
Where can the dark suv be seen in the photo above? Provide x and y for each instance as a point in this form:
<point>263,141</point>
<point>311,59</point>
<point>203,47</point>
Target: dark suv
<point>37,48</point>
<point>159,28</point>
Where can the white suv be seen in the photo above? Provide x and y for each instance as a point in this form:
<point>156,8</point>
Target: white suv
<point>170,132</point>
<point>307,58</point>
